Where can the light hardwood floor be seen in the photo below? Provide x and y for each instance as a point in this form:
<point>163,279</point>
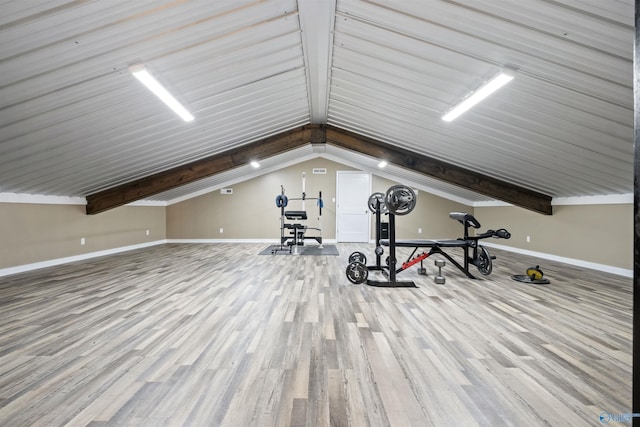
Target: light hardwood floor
<point>216,335</point>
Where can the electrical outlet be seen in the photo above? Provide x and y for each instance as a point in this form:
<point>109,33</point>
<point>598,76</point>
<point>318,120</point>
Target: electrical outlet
<point>147,232</point>
<point>221,230</point>
<point>419,230</point>
<point>82,241</point>
<point>528,239</point>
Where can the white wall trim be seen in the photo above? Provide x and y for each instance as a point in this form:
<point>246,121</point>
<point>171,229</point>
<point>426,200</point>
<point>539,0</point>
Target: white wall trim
<point>59,261</point>
<point>607,199</point>
<point>147,203</point>
<point>571,261</point>
<point>490,203</point>
<point>41,199</point>
<point>269,241</point>
<point>222,241</point>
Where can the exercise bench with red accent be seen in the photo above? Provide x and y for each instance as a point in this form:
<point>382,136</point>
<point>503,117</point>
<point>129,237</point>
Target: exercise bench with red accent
<point>473,253</point>
<point>401,200</point>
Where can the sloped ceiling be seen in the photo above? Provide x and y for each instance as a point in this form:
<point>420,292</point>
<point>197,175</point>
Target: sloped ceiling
<point>73,121</point>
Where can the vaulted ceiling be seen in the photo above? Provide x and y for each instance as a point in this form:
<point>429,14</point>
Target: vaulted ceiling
<point>74,122</point>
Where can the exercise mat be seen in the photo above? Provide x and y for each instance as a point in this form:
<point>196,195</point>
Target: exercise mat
<point>302,250</point>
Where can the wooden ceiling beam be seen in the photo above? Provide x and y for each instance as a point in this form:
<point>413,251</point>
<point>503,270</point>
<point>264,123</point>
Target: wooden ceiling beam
<point>209,166</point>
<point>456,175</point>
<point>317,134</point>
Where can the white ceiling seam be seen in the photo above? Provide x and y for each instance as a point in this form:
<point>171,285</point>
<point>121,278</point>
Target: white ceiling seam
<point>317,20</point>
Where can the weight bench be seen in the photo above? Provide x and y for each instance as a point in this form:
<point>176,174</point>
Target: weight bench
<point>479,257</point>
<point>436,247</point>
<point>298,230</point>
<point>400,200</point>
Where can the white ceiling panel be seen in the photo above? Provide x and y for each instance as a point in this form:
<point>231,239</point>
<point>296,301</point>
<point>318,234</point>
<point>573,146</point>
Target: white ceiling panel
<point>398,66</point>
<point>74,121</point>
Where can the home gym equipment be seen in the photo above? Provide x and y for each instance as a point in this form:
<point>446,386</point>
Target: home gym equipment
<point>296,230</point>
<point>401,200</point>
<point>398,200</point>
<point>473,252</point>
<point>535,273</point>
<point>439,279</point>
<point>534,276</point>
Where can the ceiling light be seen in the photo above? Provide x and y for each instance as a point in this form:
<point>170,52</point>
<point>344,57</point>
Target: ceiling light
<point>382,164</point>
<point>475,97</point>
<point>255,164</point>
<point>141,73</point>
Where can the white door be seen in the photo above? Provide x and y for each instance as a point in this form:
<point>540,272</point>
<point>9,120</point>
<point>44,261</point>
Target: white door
<point>352,211</point>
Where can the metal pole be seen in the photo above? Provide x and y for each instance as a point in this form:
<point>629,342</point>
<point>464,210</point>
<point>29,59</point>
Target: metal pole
<point>320,203</point>
<point>636,216</point>
<point>392,248</point>
<point>304,196</point>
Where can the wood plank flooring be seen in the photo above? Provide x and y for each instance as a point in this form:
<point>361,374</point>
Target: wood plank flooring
<point>216,335</point>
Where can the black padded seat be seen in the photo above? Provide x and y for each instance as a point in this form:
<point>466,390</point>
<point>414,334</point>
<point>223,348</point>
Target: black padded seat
<point>465,218</point>
<point>427,243</point>
<point>295,214</point>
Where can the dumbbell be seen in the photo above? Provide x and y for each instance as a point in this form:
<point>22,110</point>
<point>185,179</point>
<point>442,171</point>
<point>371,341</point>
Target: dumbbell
<point>439,279</point>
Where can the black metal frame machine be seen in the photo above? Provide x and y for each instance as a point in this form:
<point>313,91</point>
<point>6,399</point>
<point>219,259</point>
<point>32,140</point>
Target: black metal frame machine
<point>296,230</point>
<point>400,200</point>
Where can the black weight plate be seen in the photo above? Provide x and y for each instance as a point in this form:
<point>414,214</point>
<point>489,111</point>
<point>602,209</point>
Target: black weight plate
<point>358,256</point>
<point>526,279</point>
<point>373,201</point>
<point>400,200</point>
<point>484,264</point>
<point>357,272</point>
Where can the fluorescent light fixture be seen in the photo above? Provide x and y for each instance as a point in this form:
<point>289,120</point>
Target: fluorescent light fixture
<point>382,164</point>
<point>255,164</point>
<point>487,89</point>
<point>141,73</point>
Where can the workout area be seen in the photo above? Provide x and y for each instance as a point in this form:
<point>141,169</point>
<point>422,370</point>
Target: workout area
<point>319,213</point>
<point>401,329</point>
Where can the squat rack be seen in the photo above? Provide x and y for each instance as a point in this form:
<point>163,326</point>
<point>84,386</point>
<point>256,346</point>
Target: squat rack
<point>297,233</point>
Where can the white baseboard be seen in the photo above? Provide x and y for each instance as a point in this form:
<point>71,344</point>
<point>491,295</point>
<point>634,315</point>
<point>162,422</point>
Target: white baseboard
<point>222,240</point>
<point>571,261</point>
<point>43,264</point>
<point>53,262</point>
<point>59,261</point>
<point>267,241</point>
